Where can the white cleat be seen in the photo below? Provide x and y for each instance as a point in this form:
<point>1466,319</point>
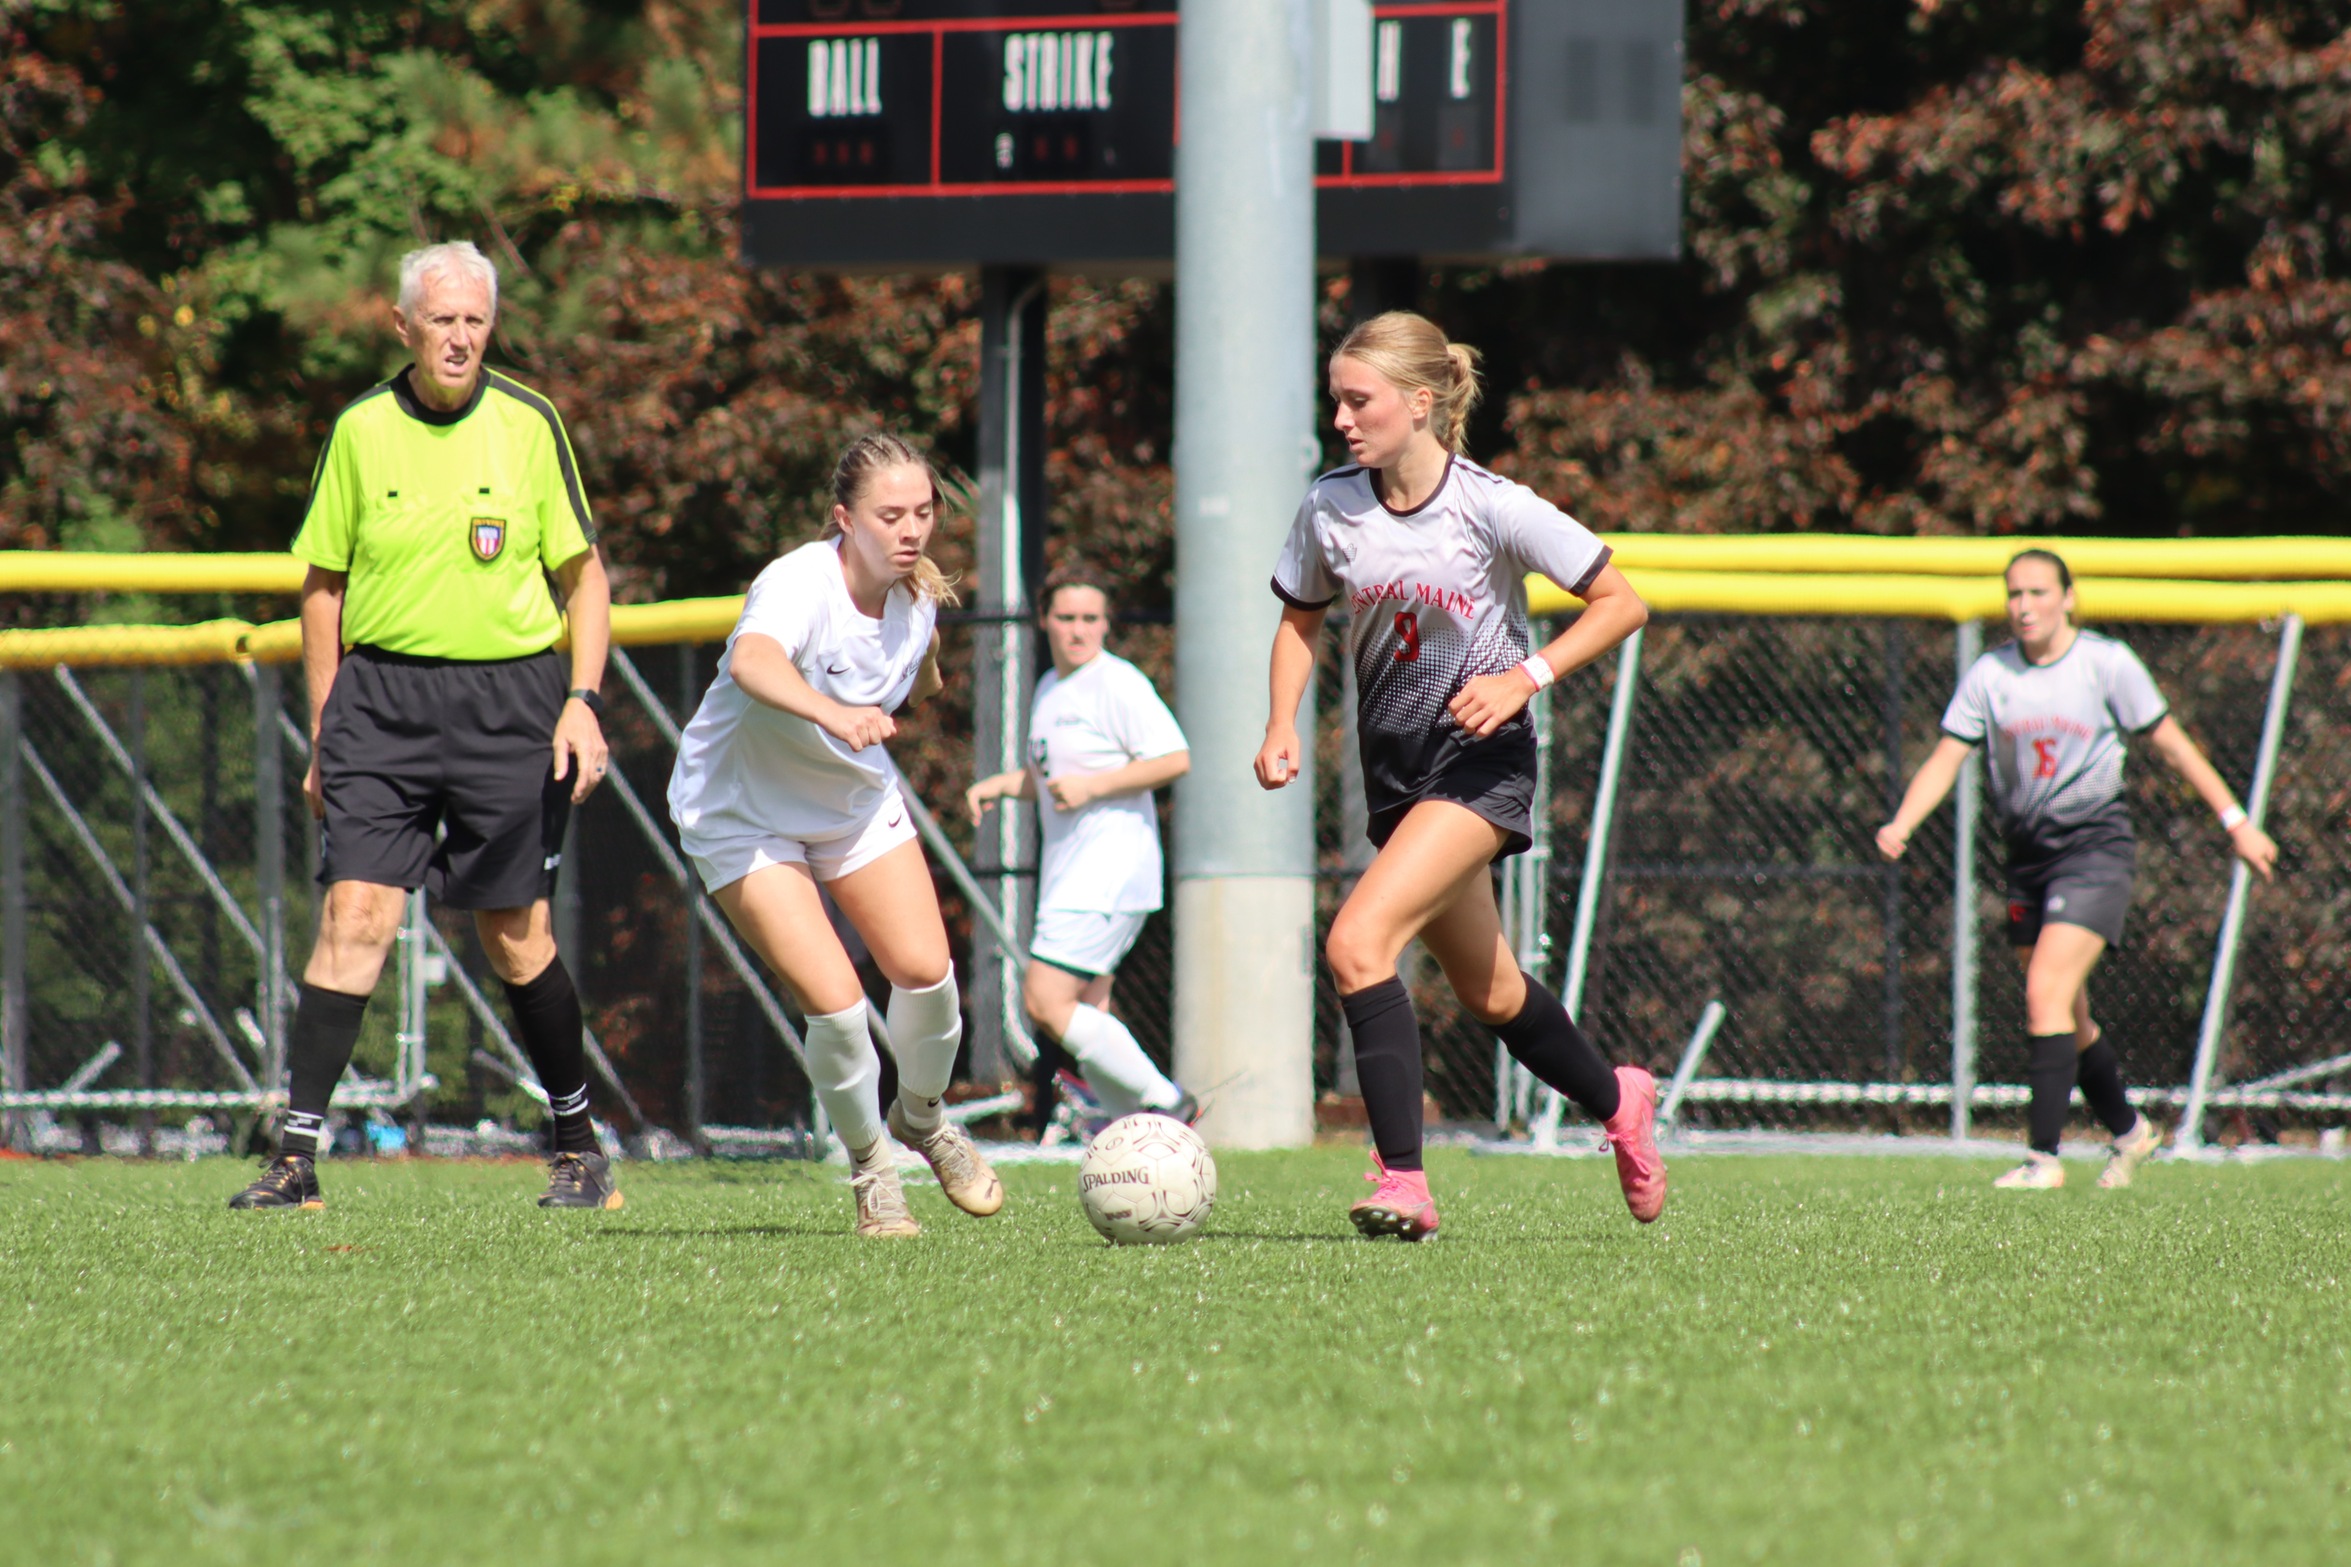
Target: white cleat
<point>2132,1149</point>
<point>964,1174</point>
<point>2040,1172</point>
<point>882,1213</point>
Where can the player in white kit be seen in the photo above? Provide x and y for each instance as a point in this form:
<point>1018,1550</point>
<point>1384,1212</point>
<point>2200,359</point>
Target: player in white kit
<point>1100,742</point>
<point>1431,552</point>
<point>2052,709</point>
<point>783,785</point>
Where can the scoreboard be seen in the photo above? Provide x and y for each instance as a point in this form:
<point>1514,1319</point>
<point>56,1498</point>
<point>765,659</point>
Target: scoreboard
<point>954,132</point>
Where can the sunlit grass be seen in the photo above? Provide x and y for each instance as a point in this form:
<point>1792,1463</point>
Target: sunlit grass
<point>1815,1361</point>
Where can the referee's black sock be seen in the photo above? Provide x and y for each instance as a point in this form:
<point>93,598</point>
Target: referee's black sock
<point>1387,1064</point>
<point>2050,1070</point>
<point>325,1032</point>
<point>1546,1041</point>
<point>2100,1074</point>
<point>547,1016</point>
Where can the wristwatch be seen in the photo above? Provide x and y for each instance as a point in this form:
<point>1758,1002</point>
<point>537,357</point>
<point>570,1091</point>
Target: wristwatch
<point>588,699</point>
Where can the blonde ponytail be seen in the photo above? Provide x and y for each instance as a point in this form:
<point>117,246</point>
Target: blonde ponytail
<point>1411,353</point>
<point>869,455</point>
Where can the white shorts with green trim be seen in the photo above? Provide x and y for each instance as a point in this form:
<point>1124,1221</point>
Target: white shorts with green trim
<point>1085,942</point>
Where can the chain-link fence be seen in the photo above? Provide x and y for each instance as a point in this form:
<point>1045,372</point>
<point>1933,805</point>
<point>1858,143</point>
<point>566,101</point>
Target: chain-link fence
<point>163,860</point>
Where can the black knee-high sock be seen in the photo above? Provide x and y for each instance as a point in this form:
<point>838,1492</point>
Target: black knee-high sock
<point>1387,1064</point>
<point>325,1032</point>
<point>2100,1073</point>
<point>1546,1041</point>
<point>2051,1073</point>
<point>547,1018</point>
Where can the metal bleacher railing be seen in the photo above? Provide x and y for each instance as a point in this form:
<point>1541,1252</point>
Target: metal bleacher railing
<point>1713,791</point>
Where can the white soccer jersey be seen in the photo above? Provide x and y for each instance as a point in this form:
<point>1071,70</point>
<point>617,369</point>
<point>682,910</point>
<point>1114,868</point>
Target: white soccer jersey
<point>746,770</point>
<point>1104,856</point>
<point>2053,739</point>
<point>1437,597</point>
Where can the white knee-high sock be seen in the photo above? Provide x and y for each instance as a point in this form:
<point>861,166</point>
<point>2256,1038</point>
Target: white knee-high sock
<point>1118,1071</point>
<point>926,1027</point>
<point>846,1074</point>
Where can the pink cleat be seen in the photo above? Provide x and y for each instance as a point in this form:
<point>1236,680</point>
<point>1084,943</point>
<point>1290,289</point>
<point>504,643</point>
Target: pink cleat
<point>1400,1205</point>
<point>1632,1136</point>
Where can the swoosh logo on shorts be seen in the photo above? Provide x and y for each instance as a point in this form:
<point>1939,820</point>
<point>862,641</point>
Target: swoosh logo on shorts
<point>896,818</point>
<point>844,669</point>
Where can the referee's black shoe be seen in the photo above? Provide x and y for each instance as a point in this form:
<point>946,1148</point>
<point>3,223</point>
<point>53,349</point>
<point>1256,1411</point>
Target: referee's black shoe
<point>288,1181</point>
<point>579,1180</point>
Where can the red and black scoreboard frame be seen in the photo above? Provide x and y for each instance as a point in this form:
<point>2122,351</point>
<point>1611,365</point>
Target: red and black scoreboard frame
<point>960,132</point>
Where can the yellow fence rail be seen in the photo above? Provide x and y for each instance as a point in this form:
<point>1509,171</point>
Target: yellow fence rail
<point>2191,581</point>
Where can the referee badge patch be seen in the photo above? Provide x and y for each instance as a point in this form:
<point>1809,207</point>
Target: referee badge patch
<point>488,535</point>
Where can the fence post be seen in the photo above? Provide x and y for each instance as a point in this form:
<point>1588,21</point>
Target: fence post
<point>408,1058</point>
<point>142,981</point>
<point>14,1011</point>
<point>1963,915</point>
<point>1529,878</point>
<point>1890,874</point>
<point>1596,845</point>
<point>697,1064</point>
<point>2190,1135</point>
<point>269,869</point>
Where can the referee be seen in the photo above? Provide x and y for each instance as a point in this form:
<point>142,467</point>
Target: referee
<point>444,501</point>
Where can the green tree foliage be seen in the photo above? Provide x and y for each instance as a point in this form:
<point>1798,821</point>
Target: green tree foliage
<point>1959,265</point>
<point>1977,266</point>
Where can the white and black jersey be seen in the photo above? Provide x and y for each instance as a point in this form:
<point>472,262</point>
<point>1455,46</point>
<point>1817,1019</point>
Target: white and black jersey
<point>2053,741</point>
<point>1437,597</point>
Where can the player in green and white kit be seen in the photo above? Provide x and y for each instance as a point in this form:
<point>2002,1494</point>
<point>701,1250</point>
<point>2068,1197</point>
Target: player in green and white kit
<point>1100,741</point>
<point>2052,709</point>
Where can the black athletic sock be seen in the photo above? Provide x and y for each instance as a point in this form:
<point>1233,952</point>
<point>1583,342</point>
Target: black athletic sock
<point>1546,1041</point>
<point>2051,1072</point>
<point>325,1032</point>
<point>1387,1064</point>
<point>547,1018</point>
<point>2100,1073</point>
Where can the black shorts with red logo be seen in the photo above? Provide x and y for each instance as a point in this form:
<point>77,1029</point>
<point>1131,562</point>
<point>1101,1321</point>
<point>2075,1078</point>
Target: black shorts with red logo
<point>439,773</point>
<point>2089,887</point>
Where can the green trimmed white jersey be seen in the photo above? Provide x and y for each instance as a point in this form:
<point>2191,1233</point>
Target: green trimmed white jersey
<point>447,523</point>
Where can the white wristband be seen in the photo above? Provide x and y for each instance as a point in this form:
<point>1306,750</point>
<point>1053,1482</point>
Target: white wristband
<point>2232,818</point>
<point>1539,671</point>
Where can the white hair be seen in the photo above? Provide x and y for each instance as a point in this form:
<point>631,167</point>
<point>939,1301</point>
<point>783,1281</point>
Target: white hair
<point>457,255</point>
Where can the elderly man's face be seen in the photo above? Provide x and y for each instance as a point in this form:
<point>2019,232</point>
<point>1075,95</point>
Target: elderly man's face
<point>446,333</point>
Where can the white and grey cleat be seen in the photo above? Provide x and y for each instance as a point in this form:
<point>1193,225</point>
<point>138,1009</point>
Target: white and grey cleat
<point>2132,1149</point>
<point>882,1213</point>
<point>2040,1172</point>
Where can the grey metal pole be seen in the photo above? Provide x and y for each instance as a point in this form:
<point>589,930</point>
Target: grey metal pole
<point>15,1011</point>
<point>269,869</point>
<point>697,1063</point>
<point>142,979</point>
<point>2190,1135</point>
<point>1013,308</point>
<point>1596,846</point>
<point>1244,449</point>
<point>1531,872</point>
<point>1964,934</point>
<point>1890,874</point>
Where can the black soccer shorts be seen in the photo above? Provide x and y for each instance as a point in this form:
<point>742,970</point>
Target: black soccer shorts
<point>2087,887</point>
<point>408,746</point>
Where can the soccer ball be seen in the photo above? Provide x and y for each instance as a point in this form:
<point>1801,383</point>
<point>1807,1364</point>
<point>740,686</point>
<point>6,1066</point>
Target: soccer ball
<point>1147,1180</point>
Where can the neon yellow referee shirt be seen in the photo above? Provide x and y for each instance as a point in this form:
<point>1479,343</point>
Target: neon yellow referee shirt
<point>447,523</point>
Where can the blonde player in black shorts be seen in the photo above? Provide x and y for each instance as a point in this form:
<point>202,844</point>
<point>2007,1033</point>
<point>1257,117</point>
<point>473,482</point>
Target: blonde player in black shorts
<point>1432,552</point>
<point>783,785</point>
<point>2053,709</point>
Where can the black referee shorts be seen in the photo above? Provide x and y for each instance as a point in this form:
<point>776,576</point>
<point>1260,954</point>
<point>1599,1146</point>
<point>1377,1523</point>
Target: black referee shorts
<point>410,745</point>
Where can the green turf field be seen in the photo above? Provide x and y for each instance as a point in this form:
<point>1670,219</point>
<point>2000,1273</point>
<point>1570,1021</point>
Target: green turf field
<point>1809,1361</point>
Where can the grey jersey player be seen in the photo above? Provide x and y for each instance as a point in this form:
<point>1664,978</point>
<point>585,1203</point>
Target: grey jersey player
<point>2052,711</point>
